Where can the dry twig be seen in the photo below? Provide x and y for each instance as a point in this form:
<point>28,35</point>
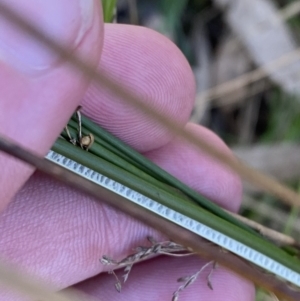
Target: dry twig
<point>279,238</point>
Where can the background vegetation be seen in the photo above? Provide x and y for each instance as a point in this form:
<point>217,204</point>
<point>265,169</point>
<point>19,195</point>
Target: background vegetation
<point>261,120</point>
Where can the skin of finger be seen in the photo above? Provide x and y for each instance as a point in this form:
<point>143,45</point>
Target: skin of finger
<point>34,109</point>
<point>224,189</point>
<point>43,229</point>
<point>152,68</point>
<point>60,243</point>
<point>59,235</point>
<point>175,157</point>
<point>157,280</point>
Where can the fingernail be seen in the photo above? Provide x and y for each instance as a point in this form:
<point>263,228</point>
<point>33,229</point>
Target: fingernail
<point>66,21</point>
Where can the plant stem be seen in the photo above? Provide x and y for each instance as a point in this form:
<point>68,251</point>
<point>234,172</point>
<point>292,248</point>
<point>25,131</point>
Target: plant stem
<point>146,165</point>
<point>176,203</point>
<point>109,156</point>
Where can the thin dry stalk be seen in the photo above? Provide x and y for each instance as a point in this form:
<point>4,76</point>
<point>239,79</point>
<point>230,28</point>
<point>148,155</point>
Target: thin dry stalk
<point>265,211</point>
<point>188,280</point>
<point>193,242</point>
<point>260,73</point>
<point>209,277</point>
<point>249,78</point>
<point>275,236</point>
<point>142,253</point>
<point>182,236</point>
<point>290,10</point>
<point>133,12</point>
<point>255,177</point>
<point>215,93</point>
<point>274,297</point>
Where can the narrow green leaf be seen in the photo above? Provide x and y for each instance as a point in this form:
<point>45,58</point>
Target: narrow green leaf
<point>160,174</point>
<point>176,203</point>
<point>106,154</point>
<point>108,7</point>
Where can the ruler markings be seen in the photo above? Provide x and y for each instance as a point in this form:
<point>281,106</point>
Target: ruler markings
<point>196,227</point>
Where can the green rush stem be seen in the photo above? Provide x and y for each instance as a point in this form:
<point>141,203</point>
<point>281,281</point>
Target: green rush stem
<point>74,125</point>
<point>104,153</point>
<point>176,203</point>
<point>149,167</point>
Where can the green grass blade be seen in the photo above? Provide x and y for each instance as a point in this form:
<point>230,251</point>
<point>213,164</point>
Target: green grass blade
<point>104,153</point>
<point>159,173</point>
<point>108,7</point>
<point>176,203</point>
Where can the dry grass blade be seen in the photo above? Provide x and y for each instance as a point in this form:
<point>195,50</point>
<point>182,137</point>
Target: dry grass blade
<point>277,237</point>
<point>216,93</point>
<point>249,78</point>
<point>182,236</point>
<point>142,253</point>
<point>274,297</point>
<point>188,280</point>
<point>281,160</point>
<point>209,277</point>
<point>290,10</point>
<point>255,177</point>
<point>265,210</point>
<point>261,72</point>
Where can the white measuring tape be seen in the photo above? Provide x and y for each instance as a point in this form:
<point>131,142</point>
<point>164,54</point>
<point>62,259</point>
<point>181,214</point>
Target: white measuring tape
<point>208,233</point>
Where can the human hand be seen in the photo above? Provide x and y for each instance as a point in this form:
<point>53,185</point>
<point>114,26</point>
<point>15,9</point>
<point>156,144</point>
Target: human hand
<point>58,234</point>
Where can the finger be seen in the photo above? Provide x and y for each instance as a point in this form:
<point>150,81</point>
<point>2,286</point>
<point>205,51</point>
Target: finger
<point>70,232</point>
<point>199,170</point>
<point>58,235</point>
<point>92,225</point>
<point>39,91</point>
<point>157,280</point>
<point>211,179</point>
<point>154,69</point>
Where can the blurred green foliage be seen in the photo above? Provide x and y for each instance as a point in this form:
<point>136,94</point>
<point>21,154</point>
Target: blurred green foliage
<point>108,7</point>
<point>283,119</point>
<point>173,10</point>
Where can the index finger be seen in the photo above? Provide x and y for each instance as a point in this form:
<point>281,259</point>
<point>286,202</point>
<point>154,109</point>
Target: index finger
<point>155,70</point>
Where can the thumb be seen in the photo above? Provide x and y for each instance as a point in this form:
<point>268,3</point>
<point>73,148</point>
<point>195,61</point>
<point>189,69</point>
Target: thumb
<point>39,92</point>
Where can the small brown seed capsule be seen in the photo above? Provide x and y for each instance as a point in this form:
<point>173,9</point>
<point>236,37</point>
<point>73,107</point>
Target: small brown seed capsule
<point>87,141</point>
